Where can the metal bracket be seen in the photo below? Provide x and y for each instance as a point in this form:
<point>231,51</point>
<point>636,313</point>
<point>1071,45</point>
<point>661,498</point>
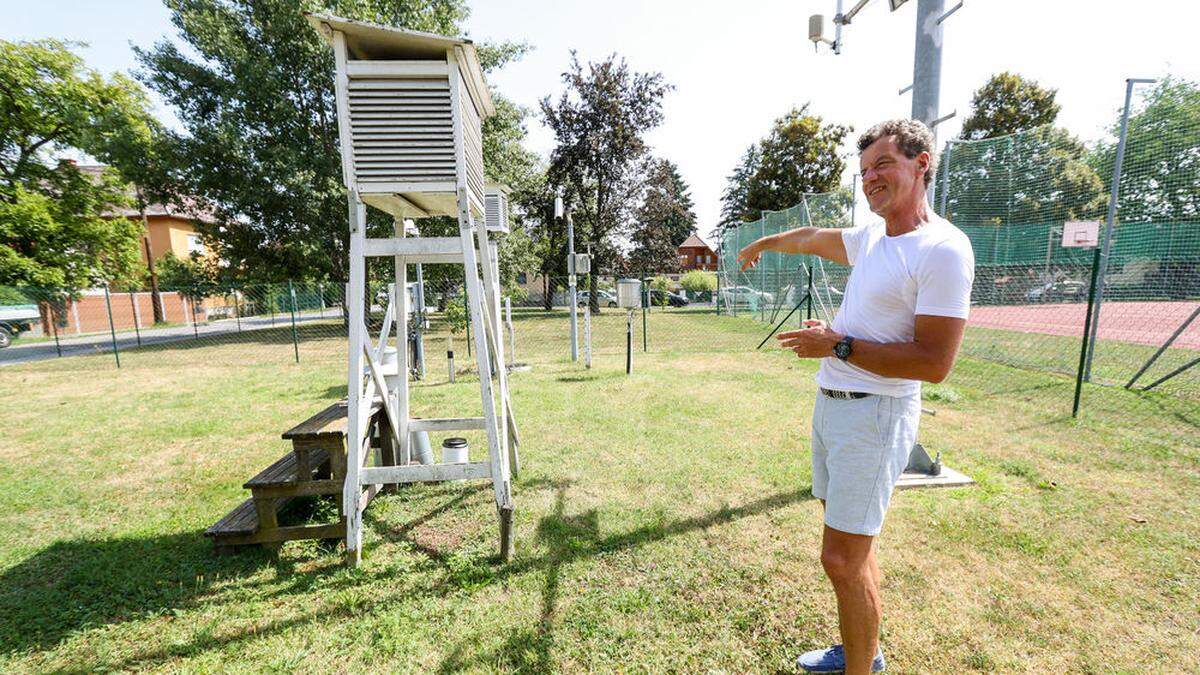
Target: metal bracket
<point>948,13</point>
<point>941,119</point>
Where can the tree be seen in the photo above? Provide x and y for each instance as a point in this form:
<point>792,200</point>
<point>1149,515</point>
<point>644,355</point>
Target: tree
<point>253,88</point>
<point>664,220</point>
<point>733,199</point>
<point>1036,176</point>
<point>1009,103</point>
<point>799,157</point>
<point>1160,177</point>
<point>599,124</point>
<point>52,228</point>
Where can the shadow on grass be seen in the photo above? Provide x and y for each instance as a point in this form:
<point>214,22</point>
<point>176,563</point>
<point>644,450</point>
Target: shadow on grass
<point>74,585</point>
<point>568,538</point>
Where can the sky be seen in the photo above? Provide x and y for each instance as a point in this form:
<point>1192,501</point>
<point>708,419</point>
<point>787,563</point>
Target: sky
<point>737,66</point>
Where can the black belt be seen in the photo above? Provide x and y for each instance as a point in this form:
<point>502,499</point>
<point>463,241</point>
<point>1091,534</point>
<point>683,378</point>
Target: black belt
<point>844,395</point>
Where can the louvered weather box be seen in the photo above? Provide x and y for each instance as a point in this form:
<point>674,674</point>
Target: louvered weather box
<point>496,212</point>
<point>416,102</point>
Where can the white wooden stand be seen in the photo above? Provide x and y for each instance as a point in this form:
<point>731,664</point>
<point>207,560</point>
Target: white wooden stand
<point>410,107</point>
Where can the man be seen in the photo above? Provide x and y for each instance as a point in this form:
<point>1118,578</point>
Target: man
<point>901,322</point>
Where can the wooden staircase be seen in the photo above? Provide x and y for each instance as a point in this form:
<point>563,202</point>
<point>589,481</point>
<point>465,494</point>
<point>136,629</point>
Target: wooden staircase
<point>315,466</point>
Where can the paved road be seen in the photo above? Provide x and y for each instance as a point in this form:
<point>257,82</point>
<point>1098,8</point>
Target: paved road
<point>101,343</point>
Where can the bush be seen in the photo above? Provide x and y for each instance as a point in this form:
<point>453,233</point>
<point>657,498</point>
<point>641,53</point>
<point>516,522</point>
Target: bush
<point>697,281</point>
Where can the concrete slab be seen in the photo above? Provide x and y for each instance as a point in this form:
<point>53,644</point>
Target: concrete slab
<point>948,478</point>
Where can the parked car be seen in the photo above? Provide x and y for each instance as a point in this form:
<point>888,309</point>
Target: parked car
<point>14,320</point>
<point>606,298</point>
<point>1067,290</point>
<point>734,296</point>
<point>659,298</point>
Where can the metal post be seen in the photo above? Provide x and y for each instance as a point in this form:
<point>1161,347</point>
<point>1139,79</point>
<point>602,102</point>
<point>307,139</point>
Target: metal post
<point>137,330</point>
<point>1083,349</point>
<point>419,318</point>
<point>762,274</point>
<point>645,307</point>
<point>927,63</point>
<point>1162,348</point>
<point>853,197</point>
<point>192,304</point>
<point>571,283</point>
<point>587,339</point>
<point>112,329</point>
<point>295,341</point>
<point>629,341</point>
<point>946,176</point>
<point>808,295</point>
<point>512,338</point>
<point>466,308</point>
<point>237,309</point>
<point>54,327</point>
<point>1106,247</point>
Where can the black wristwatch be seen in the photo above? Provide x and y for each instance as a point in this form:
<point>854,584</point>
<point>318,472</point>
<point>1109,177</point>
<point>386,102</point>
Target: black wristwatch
<point>843,347</point>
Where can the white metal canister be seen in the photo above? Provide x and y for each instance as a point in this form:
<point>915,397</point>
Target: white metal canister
<point>454,451</point>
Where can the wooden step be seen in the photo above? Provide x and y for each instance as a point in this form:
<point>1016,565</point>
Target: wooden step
<point>329,423</point>
<point>241,521</point>
<point>285,471</point>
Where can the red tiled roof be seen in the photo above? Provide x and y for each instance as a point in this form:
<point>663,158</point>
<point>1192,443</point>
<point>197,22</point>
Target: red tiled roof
<point>694,241</point>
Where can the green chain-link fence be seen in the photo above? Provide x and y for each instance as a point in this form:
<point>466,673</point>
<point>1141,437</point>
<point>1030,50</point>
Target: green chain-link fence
<point>1012,196</point>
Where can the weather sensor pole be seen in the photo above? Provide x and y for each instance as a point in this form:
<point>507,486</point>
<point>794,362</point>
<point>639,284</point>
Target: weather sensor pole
<point>927,60</point>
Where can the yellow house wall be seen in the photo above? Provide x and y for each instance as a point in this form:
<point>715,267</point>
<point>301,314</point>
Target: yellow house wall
<point>168,234</point>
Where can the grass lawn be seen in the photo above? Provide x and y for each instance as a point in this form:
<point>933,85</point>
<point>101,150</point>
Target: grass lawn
<point>664,520</point>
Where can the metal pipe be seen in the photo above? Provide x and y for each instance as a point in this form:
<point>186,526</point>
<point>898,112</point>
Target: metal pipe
<point>1178,331</point>
<point>571,283</point>
<point>946,175</point>
<point>1106,247</point>
<point>1083,350</point>
<point>112,327</point>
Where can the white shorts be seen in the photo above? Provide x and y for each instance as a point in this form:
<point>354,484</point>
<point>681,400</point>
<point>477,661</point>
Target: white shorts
<point>859,449</point>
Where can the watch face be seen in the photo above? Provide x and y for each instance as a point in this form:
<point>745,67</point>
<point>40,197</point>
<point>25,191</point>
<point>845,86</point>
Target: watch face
<point>842,350</point>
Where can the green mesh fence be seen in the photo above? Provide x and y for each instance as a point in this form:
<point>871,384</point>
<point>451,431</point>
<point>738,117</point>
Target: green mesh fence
<point>1012,196</point>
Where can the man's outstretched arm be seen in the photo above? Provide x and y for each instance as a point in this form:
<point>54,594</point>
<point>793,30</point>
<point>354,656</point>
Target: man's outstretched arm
<point>823,242</point>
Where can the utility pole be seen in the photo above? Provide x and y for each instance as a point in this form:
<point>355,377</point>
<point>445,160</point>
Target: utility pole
<point>927,63</point>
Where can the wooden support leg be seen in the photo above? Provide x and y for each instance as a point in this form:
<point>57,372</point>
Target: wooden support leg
<point>387,440</point>
<point>351,492</point>
<point>268,520</point>
<point>477,305</point>
<point>506,543</point>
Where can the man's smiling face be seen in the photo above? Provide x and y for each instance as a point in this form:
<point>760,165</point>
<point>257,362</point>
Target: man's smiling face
<point>889,178</point>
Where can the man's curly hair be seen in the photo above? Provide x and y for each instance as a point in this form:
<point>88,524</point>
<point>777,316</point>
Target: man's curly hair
<point>912,136</point>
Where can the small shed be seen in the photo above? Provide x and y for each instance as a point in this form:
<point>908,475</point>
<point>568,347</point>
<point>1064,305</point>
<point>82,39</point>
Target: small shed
<point>412,104</point>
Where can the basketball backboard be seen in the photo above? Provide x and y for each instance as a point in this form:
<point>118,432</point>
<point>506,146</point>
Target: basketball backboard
<point>1081,234</point>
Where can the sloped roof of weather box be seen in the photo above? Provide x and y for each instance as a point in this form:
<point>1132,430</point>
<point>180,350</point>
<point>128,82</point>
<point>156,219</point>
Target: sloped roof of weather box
<point>371,41</point>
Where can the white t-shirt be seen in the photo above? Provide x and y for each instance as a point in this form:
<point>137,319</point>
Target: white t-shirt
<point>893,279</point>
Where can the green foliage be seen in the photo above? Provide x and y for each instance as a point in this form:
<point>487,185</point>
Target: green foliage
<point>51,229</point>
<point>1037,176</point>
<point>1009,103</point>
<point>663,284</point>
<point>664,220</point>
<point>253,88</point>
<point>799,156</point>
<point>698,281</point>
<point>1160,178</point>
<point>456,314</point>
<point>190,276</point>
<point>599,124</point>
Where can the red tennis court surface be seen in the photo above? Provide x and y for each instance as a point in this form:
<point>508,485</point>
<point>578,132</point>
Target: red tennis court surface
<point>1148,323</point>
